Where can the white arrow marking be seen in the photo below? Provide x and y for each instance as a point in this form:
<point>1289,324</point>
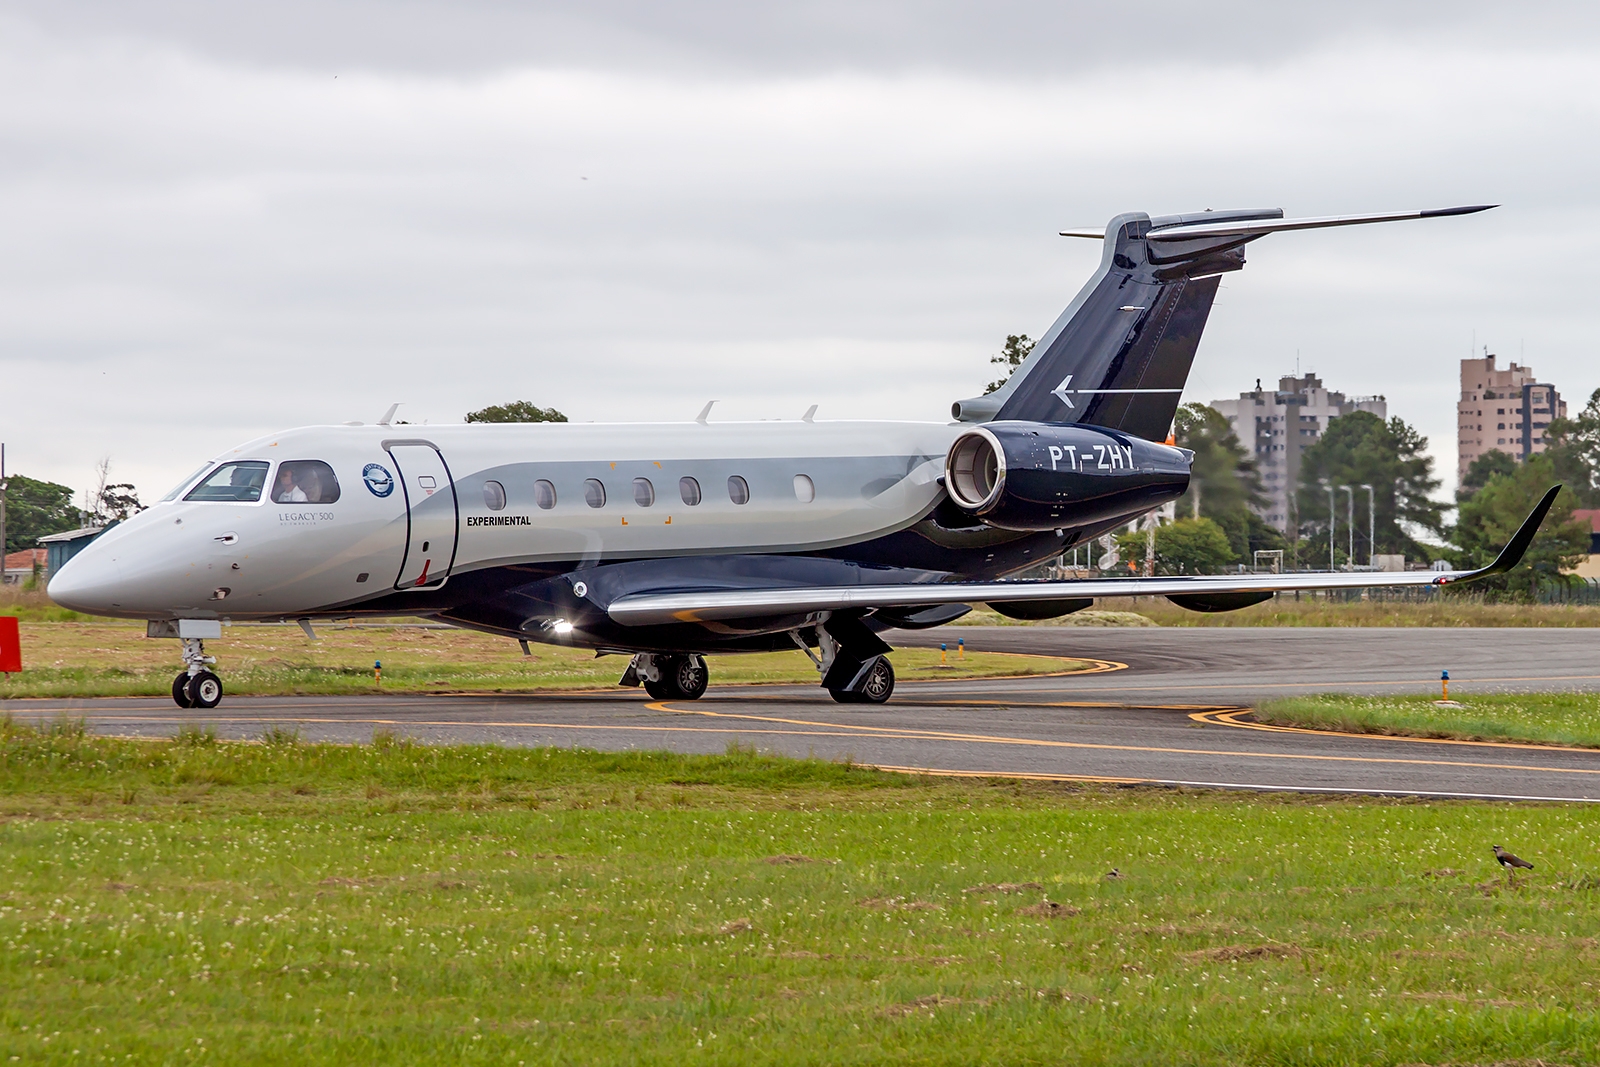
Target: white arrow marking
<point>1060,391</point>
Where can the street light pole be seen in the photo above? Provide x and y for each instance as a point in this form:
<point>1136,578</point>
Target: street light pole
<point>1333,519</point>
<point>2,513</point>
<point>1372,542</point>
<point>1350,525</point>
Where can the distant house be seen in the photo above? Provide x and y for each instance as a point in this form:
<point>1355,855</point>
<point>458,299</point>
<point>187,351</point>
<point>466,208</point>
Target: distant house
<point>19,566</point>
<point>63,546</point>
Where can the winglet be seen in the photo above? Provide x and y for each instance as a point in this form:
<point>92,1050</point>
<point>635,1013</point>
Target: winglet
<point>1511,555</point>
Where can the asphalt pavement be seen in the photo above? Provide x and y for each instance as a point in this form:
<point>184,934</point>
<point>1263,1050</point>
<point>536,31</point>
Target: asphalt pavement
<point>1163,706</point>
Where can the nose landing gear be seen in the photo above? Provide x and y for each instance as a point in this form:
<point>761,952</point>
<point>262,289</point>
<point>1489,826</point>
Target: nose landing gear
<point>196,687</point>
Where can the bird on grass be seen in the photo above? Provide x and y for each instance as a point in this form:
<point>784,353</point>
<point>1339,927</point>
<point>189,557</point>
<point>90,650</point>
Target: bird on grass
<point>1510,862</point>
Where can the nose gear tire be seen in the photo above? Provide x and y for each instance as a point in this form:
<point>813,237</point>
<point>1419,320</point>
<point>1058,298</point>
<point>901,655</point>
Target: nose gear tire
<point>180,690</point>
<point>205,690</point>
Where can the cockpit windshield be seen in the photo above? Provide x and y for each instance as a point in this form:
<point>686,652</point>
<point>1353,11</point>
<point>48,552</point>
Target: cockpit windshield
<point>305,481</point>
<point>239,482</point>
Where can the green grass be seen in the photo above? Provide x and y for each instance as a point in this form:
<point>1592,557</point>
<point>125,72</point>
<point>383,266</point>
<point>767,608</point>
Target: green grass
<point>1552,718</point>
<point>31,605</point>
<point>300,904</point>
<point>109,658</point>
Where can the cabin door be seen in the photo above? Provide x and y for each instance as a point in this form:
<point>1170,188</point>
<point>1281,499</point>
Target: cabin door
<point>431,515</point>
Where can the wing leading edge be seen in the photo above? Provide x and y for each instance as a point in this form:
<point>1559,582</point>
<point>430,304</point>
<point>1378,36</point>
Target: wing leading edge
<point>653,609</point>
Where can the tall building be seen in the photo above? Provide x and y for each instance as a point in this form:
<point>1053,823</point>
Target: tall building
<point>1278,426</point>
<point>1502,410</point>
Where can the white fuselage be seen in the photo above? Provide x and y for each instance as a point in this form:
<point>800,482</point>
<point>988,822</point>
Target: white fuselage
<point>416,505</point>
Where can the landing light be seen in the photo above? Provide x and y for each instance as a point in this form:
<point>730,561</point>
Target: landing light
<point>562,626</point>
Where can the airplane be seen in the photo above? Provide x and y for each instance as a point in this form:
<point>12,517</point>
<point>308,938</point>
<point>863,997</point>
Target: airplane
<point>666,542</point>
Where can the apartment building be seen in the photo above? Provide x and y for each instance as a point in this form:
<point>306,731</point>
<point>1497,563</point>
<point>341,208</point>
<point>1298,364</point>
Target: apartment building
<point>1502,410</point>
<point>1279,425</point>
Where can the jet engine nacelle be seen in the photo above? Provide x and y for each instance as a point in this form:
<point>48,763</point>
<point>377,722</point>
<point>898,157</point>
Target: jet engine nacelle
<point>1040,476</point>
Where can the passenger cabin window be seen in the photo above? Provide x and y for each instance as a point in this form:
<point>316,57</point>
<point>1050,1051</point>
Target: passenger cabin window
<point>594,494</point>
<point>305,481</point>
<point>689,489</point>
<point>544,494</point>
<point>738,490</point>
<point>494,496</point>
<point>644,494</point>
<point>805,490</point>
<point>235,482</point>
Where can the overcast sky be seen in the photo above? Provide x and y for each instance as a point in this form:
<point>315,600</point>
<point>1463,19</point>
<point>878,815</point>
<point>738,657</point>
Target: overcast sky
<point>224,219</point>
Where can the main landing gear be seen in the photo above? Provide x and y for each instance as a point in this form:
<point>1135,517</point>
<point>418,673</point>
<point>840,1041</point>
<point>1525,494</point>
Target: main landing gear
<point>676,677</point>
<point>197,686</point>
<point>853,660</point>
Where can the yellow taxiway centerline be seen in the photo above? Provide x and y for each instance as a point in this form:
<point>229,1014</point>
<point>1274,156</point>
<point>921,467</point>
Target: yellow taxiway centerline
<point>1155,749</point>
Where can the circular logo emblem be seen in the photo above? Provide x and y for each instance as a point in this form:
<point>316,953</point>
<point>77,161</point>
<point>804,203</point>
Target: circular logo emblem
<point>379,481</point>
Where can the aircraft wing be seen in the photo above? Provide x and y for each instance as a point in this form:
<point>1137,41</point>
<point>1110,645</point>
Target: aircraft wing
<point>651,609</point>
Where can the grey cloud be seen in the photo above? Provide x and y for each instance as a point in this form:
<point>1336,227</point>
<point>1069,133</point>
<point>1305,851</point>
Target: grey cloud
<point>1022,39</point>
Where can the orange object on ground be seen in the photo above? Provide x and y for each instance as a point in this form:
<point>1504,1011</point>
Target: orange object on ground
<point>10,644</point>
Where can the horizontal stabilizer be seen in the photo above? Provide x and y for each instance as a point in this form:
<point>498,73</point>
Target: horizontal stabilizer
<point>1208,592</point>
<point>1260,227</point>
<point>1189,230</point>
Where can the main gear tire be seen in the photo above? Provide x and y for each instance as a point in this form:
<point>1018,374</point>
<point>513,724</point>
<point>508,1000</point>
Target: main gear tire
<point>180,690</point>
<point>658,690</point>
<point>687,676</point>
<point>205,690</point>
<point>878,685</point>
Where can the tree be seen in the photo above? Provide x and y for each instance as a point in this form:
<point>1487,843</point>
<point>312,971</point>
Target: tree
<point>1012,353</point>
<point>34,509</point>
<point>1225,479</point>
<point>1573,445</point>
<point>1491,515</point>
<point>117,502</point>
<point>516,411</point>
<point>112,501</point>
<point>1188,546</point>
<point>1361,449</point>
<point>1482,469</point>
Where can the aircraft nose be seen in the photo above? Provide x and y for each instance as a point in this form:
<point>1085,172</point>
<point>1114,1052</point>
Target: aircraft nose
<point>88,582</point>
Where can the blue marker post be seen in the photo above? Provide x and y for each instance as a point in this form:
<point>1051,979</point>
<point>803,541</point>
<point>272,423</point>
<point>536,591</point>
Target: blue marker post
<point>377,672</point>
<point>961,648</point>
<point>942,647</point>
<point>1444,685</point>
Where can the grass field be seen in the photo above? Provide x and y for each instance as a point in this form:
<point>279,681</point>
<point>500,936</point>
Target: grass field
<point>280,903</point>
<point>102,658</point>
<point>1553,718</point>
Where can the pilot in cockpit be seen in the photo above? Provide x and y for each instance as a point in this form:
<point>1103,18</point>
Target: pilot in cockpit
<point>286,491</point>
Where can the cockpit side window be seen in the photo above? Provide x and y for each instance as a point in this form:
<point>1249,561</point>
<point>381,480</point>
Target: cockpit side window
<point>305,481</point>
<point>239,482</point>
<point>181,486</point>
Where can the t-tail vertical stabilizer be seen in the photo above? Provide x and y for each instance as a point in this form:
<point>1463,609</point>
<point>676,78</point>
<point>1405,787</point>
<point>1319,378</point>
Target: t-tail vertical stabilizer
<point>1119,355</point>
